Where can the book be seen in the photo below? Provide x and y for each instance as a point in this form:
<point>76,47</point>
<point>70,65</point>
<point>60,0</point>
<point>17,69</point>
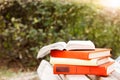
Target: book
<point>102,70</point>
<point>80,45</point>
<point>45,50</point>
<point>118,59</point>
<point>45,71</point>
<point>98,52</point>
<point>76,77</point>
<point>71,61</point>
<point>71,45</point>
<point>116,74</point>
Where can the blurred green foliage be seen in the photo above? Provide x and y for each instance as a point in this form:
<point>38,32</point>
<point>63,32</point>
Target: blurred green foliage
<point>25,27</point>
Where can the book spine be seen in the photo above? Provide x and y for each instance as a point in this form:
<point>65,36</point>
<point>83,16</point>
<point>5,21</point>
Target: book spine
<point>69,54</point>
<point>71,69</point>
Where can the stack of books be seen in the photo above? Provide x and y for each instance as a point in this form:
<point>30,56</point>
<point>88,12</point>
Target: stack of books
<point>81,58</point>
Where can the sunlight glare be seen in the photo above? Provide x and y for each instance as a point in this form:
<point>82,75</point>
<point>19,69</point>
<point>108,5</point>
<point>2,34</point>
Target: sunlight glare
<point>110,3</point>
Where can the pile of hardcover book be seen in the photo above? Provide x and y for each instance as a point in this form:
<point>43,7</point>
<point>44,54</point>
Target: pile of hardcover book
<point>81,57</point>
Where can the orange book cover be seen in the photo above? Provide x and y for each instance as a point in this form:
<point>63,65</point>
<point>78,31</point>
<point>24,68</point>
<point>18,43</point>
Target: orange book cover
<point>98,52</point>
<point>102,70</point>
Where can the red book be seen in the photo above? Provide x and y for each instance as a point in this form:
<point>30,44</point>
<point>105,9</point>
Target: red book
<point>102,70</point>
<point>98,52</point>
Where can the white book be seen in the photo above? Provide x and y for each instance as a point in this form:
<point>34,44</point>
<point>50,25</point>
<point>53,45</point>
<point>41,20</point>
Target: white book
<point>116,74</point>
<point>71,61</point>
<point>71,45</point>
<point>45,72</point>
<point>118,60</point>
<point>76,77</point>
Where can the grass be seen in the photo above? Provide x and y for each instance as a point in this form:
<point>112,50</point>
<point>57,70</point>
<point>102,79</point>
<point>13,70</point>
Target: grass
<point>11,74</point>
<point>4,72</point>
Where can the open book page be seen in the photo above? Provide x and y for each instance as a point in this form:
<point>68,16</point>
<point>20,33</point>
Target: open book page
<point>80,45</point>
<point>118,60</point>
<point>76,77</point>
<point>71,45</point>
<point>117,65</point>
<point>46,49</point>
<point>45,72</point>
<point>116,74</point>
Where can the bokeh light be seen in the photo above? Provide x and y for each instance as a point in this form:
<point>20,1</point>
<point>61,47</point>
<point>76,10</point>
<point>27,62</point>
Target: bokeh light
<point>110,3</point>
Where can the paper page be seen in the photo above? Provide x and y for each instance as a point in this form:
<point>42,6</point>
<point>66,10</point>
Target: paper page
<point>80,45</point>
<point>46,49</point>
<point>45,72</point>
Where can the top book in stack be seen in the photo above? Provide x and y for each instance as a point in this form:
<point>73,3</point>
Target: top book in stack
<point>70,45</point>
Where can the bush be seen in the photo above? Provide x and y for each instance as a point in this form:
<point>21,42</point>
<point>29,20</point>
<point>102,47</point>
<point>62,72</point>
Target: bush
<point>25,27</point>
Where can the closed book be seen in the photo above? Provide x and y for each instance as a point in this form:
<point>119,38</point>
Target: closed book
<point>72,61</point>
<point>103,70</point>
<point>98,52</point>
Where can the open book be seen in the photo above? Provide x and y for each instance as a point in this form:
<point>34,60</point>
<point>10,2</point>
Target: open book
<point>70,45</point>
<point>45,72</point>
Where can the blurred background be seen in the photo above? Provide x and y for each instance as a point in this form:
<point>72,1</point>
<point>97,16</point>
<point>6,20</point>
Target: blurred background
<point>28,25</point>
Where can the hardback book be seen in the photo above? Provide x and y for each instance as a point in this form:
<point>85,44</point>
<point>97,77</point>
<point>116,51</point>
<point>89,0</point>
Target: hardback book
<point>102,70</point>
<point>45,72</point>
<point>70,45</point>
<point>76,77</point>
<point>71,61</point>
<point>98,52</point>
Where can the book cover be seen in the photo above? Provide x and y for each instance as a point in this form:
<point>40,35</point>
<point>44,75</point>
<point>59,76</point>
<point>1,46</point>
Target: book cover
<point>98,52</point>
<point>71,61</point>
<point>102,70</point>
<point>71,45</point>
